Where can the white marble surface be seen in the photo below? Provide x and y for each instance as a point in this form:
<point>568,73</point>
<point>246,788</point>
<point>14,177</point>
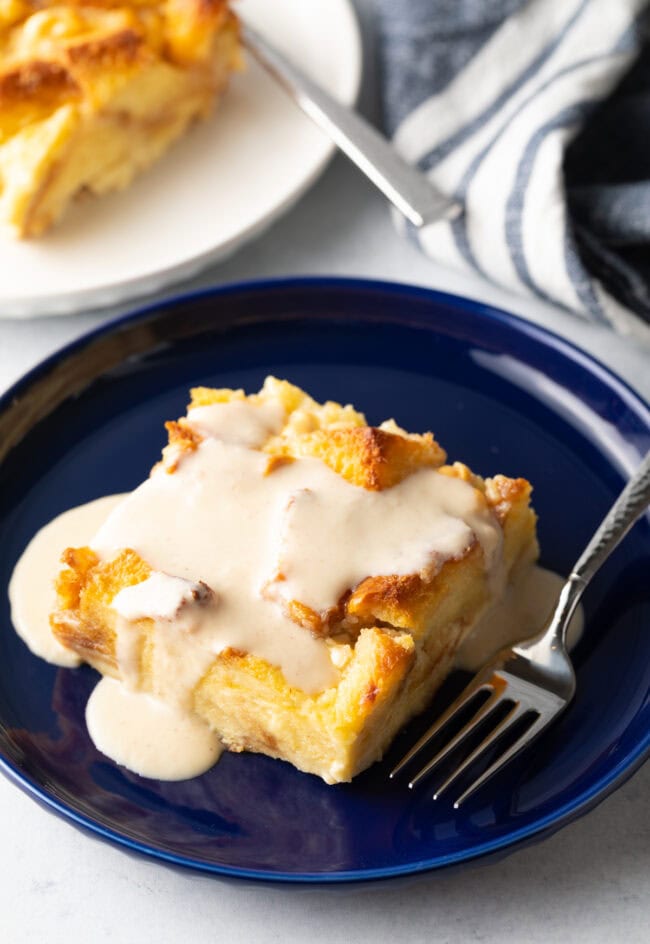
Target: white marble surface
<point>590,882</point>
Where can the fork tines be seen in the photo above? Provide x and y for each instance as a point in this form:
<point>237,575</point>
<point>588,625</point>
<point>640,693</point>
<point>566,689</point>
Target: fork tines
<point>501,711</point>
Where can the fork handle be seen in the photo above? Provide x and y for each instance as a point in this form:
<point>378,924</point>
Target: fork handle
<point>630,505</point>
<point>406,187</point>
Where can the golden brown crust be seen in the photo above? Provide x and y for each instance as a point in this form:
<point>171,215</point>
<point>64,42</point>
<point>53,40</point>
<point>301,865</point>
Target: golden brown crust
<point>84,620</point>
<point>29,92</point>
<point>182,435</point>
<point>370,457</point>
<point>411,602</point>
<point>504,493</point>
<point>303,414</point>
<point>48,82</point>
<point>121,50</point>
<point>183,439</point>
<point>277,462</point>
<point>78,563</point>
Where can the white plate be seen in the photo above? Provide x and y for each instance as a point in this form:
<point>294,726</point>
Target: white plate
<point>219,186</point>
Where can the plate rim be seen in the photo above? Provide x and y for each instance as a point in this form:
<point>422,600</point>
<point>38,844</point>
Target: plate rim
<point>524,326</point>
<point>516,839</point>
<point>133,290</point>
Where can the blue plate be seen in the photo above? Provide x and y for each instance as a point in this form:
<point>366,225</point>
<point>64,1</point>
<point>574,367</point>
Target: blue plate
<point>499,393</point>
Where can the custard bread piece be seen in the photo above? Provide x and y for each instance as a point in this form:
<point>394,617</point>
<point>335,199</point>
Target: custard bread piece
<point>91,93</point>
<point>386,639</point>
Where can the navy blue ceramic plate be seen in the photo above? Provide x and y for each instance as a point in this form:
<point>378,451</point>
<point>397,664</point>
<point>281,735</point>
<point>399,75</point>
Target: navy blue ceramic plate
<point>499,393</point>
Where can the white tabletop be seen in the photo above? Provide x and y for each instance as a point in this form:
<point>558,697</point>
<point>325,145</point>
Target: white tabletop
<point>590,882</point>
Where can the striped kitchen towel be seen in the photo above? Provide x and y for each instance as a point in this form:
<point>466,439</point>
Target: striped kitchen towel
<point>519,110</point>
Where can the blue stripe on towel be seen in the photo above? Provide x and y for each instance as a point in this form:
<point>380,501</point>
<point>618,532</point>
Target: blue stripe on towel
<point>438,153</point>
<point>514,225</point>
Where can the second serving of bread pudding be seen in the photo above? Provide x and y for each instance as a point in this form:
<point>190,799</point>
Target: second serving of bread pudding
<point>94,91</point>
<point>297,579</point>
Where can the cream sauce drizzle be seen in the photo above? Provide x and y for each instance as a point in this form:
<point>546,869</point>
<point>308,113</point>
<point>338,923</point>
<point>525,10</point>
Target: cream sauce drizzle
<point>156,737</point>
<point>334,535</point>
<point>219,517</point>
<point>521,612</point>
<point>162,597</point>
<point>238,421</point>
<point>31,589</point>
<point>152,737</point>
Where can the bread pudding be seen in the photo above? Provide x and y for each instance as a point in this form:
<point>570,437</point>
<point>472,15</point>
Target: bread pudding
<point>94,91</point>
<point>295,579</point>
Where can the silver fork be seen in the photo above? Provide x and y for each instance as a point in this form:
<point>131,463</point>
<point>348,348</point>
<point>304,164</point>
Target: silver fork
<point>405,186</point>
<point>534,680</point>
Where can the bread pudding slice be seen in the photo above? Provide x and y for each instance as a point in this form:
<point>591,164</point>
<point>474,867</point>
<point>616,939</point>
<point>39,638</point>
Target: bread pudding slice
<point>93,92</point>
<point>296,578</point>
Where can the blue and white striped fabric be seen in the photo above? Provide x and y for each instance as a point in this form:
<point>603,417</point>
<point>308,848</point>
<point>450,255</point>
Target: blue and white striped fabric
<point>486,97</point>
